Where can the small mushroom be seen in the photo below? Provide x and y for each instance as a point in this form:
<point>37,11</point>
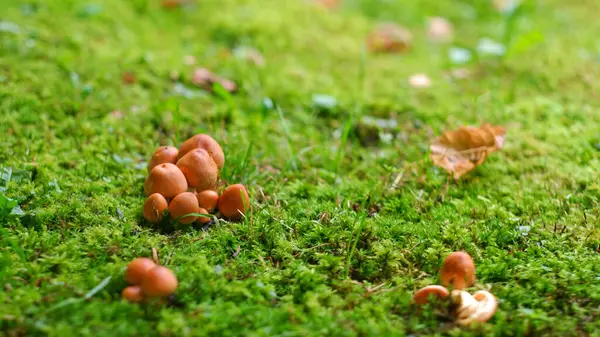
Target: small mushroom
<point>439,29</point>
<point>164,154</point>
<point>208,199</point>
<point>199,169</point>
<point>138,269</point>
<point>425,294</point>
<point>419,81</point>
<point>202,220</point>
<point>477,308</point>
<point>166,179</point>
<point>133,294</point>
<point>182,204</point>
<point>458,270</point>
<point>202,141</point>
<point>159,282</point>
<point>155,207</point>
<point>234,201</point>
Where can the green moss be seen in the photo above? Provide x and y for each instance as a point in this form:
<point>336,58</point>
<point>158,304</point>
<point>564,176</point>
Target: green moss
<point>528,216</point>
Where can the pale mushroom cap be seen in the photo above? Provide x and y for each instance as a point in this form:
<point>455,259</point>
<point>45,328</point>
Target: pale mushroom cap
<point>234,201</point>
<point>440,29</point>
<point>423,295</point>
<point>199,169</point>
<point>162,155</point>
<point>487,305</point>
<point>166,179</point>
<point>184,203</point>
<point>458,270</point>
<point>159,282</point>
<point>477,308</point>
<point>154,207</point>
<point>419,81</point>
<point>206,142</point>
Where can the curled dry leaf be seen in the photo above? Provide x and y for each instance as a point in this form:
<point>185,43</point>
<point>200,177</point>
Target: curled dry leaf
<point>389,38</point>
<point>479,307</point>
<point>460,151</point>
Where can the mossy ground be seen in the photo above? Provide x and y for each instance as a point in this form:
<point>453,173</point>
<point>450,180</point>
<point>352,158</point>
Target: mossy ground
<point>529,216</point>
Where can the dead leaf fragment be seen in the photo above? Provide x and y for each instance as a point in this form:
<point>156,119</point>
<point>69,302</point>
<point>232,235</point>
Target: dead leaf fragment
<point>205,79</point>
<point>170,4</point>
<point>389,38</point>
<point>329,4</point>
<point>460,151</point>
<point>128,77</point>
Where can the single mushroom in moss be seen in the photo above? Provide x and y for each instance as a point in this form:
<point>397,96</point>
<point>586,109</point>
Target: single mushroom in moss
<point>206,142</point>
<point>199,169</point>
<point>159,282</point>
<point>166,179</point>
<point>208,199</point>
<point>425,294</point>
<point>137,269</point>
<point>155,207</point>
<point>234,202</point>
<point>162,155</point>
<point>183,204</point>
<point>458,270</point>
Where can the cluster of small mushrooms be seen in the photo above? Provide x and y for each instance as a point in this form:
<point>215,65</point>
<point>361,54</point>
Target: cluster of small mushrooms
<point>184,182</point>
<point>148,280</point>
<point>458,272</point>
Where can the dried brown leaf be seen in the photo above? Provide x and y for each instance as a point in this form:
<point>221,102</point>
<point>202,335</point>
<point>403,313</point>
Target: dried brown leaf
<point>389,38</point>
<point>205,79</point>
<point>460,151</point>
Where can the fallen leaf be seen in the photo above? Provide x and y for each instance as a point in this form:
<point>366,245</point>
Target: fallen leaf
<point>249,54</point>
<point>505,6</point>
<point>460,151</point>
<point>329,4</point>
<point>205,79</point>
<point>189,60</point>
<point>419,81</point>
<point>172,3</point>
<point>116,114</point>
<point>128,77</point>
<point>439,29</point>
<point>389,38</point>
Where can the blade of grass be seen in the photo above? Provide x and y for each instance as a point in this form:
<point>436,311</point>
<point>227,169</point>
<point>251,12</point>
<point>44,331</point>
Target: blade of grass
<point>288,136</point>
<point>359,227</point>
<point>359,96</point>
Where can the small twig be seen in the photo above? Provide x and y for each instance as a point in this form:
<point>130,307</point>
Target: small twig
<point>374,289</point>
<point>169,257</point>
<point>237,251</point>
<point>397,180</point>
<point>155,255</point>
